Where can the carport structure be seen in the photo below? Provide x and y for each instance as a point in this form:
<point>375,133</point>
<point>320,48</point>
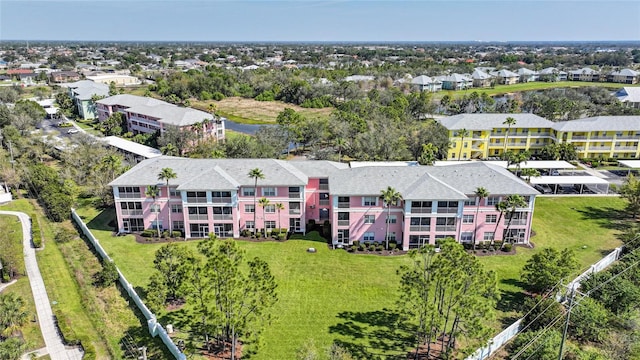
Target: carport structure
<point>631,164</point>
<point>575,183</point>
<point>544,165</point>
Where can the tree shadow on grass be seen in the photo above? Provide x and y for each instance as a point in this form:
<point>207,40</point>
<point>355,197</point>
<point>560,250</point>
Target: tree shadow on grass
<point>511,300</point>
<point>104,221</point>
<point>606,217</point>
<point>379,334</point>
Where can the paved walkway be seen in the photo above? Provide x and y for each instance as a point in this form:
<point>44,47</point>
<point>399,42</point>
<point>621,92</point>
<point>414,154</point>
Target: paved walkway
<point>592,171</point>
<point>6,285</point>
<point>53,342</point>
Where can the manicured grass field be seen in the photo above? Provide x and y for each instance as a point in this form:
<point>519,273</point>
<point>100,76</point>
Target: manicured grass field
<point>505,89</point>
<point>333,295</point>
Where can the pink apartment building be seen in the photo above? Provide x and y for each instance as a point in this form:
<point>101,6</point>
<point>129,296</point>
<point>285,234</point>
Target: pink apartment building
<point>216,196</point>
<point>148,115</point>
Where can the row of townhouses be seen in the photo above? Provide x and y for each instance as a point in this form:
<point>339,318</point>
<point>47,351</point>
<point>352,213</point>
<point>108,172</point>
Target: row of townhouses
<point>217,196</point>
<point>486,77</point>
<point>489,135</point>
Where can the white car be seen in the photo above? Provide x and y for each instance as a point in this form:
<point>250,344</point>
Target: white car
<point>72,131</point>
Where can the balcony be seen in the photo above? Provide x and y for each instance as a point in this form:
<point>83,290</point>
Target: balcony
<point>445,228</point>
<point>579,137</point>
<point>627,137</point>
<point>198,217</point>
<point>295,211</point>
<point>447,210</point>
<point>323,186</point>
<point>343,205</point>
<point>132,195</point>
<point>633,148</point>
<point>220,200</point>
<point>601,138</point>
<point>420,228</point>
<point>294,195</point>
<point>196,200</point>
<point>540,134</point>
<point>221,217</point>
<point>603,148</point>
<point>137,212</point>
<point>324,202</point>
<point>343,222</point>
<point>421,210</point>
<point>515,222</point>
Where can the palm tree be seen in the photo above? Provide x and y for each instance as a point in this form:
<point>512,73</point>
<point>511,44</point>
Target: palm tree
<point>528,173</point>
<point>264,202</point>
<point>502,207</point>
<point>255,174</point>
<point>429,154</point>
<point>390,196</point>
<point>481,193</point>
<point>205,125</point>
<point>197,127</point>
<point>509,122</point>
<point>512,203</point>
<point>153,191</point>
<point>463,134</point>
<point>340,143</point>
<point>170,150</point>
<point>167,174</point>
<point>112,163</point>
<point>279,206</point>
<point>12,314</point>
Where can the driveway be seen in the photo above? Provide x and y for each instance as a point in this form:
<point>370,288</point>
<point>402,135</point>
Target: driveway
<point>54,345</point>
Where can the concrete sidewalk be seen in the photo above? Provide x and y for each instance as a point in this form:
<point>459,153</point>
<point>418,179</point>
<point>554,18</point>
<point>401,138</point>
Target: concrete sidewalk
<point>4,286</point>
<point>54,345</point>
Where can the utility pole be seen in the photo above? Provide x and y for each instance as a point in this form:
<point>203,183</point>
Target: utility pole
<point>566,323</point>
<point>11,152</point>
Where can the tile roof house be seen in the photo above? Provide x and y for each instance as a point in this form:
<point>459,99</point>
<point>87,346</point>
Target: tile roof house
<point>216,196</point>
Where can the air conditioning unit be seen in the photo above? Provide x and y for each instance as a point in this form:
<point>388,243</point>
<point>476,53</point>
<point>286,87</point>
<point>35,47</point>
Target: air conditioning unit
<point>312,206</point>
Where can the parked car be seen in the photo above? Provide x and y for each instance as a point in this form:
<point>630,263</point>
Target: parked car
<point>72,131</point>
<point>554,173</point>
<point>543,188</point>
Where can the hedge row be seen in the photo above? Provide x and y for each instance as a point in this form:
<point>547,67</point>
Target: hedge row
<point>70,338</point>
<point>36,233</point>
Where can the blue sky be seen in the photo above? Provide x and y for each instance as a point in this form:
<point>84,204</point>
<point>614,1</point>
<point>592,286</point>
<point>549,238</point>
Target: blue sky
<point>306,20</point>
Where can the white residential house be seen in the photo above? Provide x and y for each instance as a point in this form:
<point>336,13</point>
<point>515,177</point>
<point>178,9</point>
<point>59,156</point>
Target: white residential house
<point>481,78</point>
<point>527,75</point>
<point>584,74</point>
<point>426,83</point>
<point>630,96</point>
<point>506,77</point>
<point>624,76</point>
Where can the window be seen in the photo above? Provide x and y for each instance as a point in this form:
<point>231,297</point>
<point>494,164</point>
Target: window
<point>176,209</point>
<point>392,219</point>
<point>369,219</point>
<point>421,207</point>
<point>249,225</point>
<point>294,192</point>
<point>198,213</point>
<point>419,224</point>
<point>178,225</point>
<point>249,208</point>
<point>222,213</point>
<point>155,208</point>
<point>343,201</point>
<point>369,236</point>
<point>199,230</point>
<point>343,236</point>
<point>324,184</point>
<point>369,201</point>
<point>131,208</point>
<point>269,191</point>
<point>470,202</point>
<point>466,236</point>
<point>391,236</point>
<point>197,196</point>
<point>133,224</point>
<point>418,241</point>
<point>270,224</point>
<point>221,196</point>
<point>446,224</point>
<point>343,219</point>
<point>324,198</point>
<point>248,191</point>
<point>489,235</point>
<point>493,200</point>
<point>129,192</point>
<point>467,219</point>
<point>270,209</point>
<point>491,219</point>
<point>294,208</point>
<point>173,192</point>
<point>223,230</point>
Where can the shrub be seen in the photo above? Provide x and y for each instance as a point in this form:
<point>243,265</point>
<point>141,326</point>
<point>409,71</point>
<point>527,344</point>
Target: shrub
<point>351,248</point>
<point>36,235</point>
<point>379,247</point>
<point>282,236</point>
<point>356,243</point>
<point>107,276</point>
<point>176,233</point>
<point>507,247</point>
<point>69,336</point>
<point>361,247</point>
<point>148,233</point>
<point>165,234</point>
<point>497,244</point>
<point>245,233</point>
<point>392,246</point>
<point>89,349</point>
<point>64,235</point>
<point>372,247</point>
<point>217,96</point>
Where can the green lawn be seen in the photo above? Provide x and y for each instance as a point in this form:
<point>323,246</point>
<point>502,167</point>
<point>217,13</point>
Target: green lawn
<point>530,86</point>
<point>334,295</point>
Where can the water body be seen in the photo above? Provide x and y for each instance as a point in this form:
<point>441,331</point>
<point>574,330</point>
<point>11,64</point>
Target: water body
<point>249,129</point>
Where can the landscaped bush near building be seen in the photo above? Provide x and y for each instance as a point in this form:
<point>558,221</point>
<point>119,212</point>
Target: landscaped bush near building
<point>36,234</point>
<point>149,233</point>
<point>507,247</point>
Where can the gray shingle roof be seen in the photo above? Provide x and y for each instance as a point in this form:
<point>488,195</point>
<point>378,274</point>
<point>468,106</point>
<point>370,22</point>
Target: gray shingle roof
<point>493,121</point>
<point>318,168</point>
<point>586,71</point>
<point>429,182</point>
<point>505,73</point>
<point>423,80</point>
<point>480,75</point>
<point>600,123</point>
<point>625,72</point>
<point>167,113</point>
<point>85,89</point>
<point>629,94</point>
<point>525,71</point>
<point>222,174</point>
